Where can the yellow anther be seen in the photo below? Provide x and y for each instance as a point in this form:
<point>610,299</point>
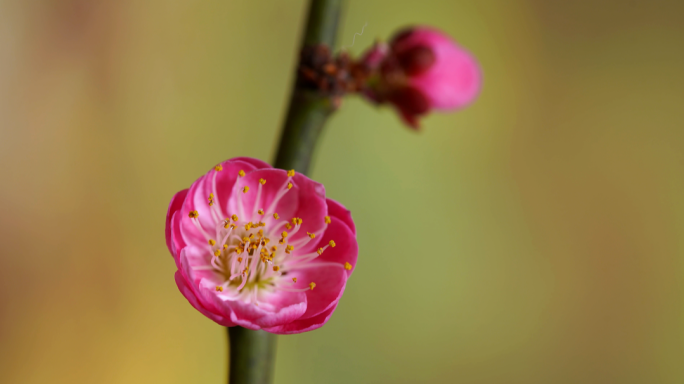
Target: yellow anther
<point>233,226</point>
<point>211,203</point>
<point>251,235</point>
<point>289,249</point>
<point>217,252</point>
<point>294,220</point>
<point>289,185</point>
<point>212,242</point>
<point>262,224</point>
<point>288,226</point>
<point>312,285</point>
<point>245,189</point>
<point>234,217</point>
<point>347,266</point>
<point>218,168</point>
<point>294,279</point>
<point>245,239</point>
<point>260,233</point>
<point>320,250</point>
<point>255,246</point>
<point>261,211</point>
<point>227,224</point>
<point>284,234</point>
<point>219,288</point>
<point>281,241</point>
<point>276,268</point>
<point>241,173</point>
<point>262,181</point>
<point>248,226</point>
<point>266,240</point>
<point>238,251</point>
<point>327,219</point>
<point>332,243</point>
<point>193,214</point>
<point>211,196</point>
<point>225,246</point>
<point>275,216</point>
<point>239,259</point>
<point>291,172</point>
<point>274,248</point>
<point>311,235</point>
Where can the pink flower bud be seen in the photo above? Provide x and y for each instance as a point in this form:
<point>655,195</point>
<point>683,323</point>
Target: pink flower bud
<point>260,247</point>
<point>419,70</point>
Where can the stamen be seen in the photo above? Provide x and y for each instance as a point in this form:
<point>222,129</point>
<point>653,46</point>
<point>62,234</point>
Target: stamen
<point>245,189</point>
<point>275,216</point>
<point>327,219</point>
<point>294,279</point>
<point>312,285</point>
<point>347,266</point>
<point>291,172</point>
<point>216,205</point>
<point>234,217</point>
<point>276,268</point>
<point>219,288</point>
<point>261,211</point>
<point>289,185</point>
<point>241,173</point>
<point>193,214</point>
<point>332,243</point>
<point>262,181</point>
<point>311,235</point>
<point>212,242</point>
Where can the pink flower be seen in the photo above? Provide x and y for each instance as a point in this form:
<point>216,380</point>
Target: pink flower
<point>260,247</point>
<point>421,69</point>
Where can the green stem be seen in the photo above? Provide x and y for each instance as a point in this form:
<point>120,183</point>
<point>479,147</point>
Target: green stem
<point>306,117</point>
<point>308,110</point>
<point>252,353</point>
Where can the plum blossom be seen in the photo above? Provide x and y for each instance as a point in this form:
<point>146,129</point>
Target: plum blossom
<point>421,69</point>
<point>260,247</point>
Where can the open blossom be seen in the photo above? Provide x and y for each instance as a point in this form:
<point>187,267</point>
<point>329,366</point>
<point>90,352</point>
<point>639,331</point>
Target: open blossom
<point>261,248</point>
<point>419,70</point>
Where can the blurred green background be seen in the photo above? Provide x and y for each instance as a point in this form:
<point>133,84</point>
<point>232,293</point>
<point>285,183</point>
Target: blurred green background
<point>551,209</point>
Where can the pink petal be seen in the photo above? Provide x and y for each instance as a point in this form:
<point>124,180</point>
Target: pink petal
<point>454,79</point>
<point>304,325</point>
<point>311,208</point>
<point>287,306</point>
<point>255,163</point>
<point>346,248</point>
<point>190,296</point>
<point>275,184</point>
<point>338,211</point>
<point>175,205</point>
<point>330,279</point>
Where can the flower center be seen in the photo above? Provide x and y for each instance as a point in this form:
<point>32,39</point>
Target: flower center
<point>253,252</point>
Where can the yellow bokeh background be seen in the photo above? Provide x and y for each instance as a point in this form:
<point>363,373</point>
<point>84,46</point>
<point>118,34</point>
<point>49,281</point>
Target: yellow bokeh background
<point>535,237</point>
